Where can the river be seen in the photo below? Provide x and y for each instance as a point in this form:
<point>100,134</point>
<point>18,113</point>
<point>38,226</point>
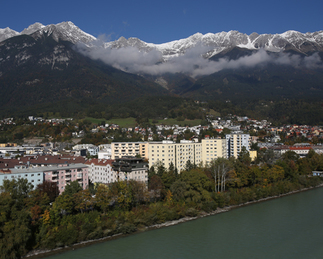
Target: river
<point>287,227</point>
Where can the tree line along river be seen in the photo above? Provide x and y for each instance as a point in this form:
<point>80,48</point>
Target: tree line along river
<point>287,227</point>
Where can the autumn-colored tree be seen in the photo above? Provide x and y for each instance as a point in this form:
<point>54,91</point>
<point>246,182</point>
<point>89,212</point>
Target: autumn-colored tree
<point>139,192</point>
<point>72,188</point>
<point>156,186</point>
<point>46,217</point>
<point>15,224</point>
<point>103,198</point>
<point>50,188</point>
<point>198,186</point>
<point>169,178</point>
<point>36,197</point>
<point>35,213</point>
<point>121,194</point>
<point>169,198</point>
<point>83,200</point>
<point>178,189</point>
<point>244,156</point>
<point>16,234</point>
<point>18,189</point>
<point>63,204</point>
<point>276,173</point>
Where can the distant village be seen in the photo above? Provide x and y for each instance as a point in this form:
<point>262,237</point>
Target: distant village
<point>160,145</point>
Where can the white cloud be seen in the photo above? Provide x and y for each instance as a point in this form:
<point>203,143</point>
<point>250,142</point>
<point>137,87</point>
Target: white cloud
<point>132,60</point>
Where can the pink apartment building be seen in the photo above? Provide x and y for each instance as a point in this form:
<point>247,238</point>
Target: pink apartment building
<point>65,174</point>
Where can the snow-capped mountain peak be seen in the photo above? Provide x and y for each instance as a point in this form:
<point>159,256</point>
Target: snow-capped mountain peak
<point>66,31</point>
<point>212,43</point>
<point>7,33</point>
<point>33,28</point>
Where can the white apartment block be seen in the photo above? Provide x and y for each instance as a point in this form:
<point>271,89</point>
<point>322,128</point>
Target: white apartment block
<point>235,142</point>
<point>213,149</point>
<point>124,149</point>
<point>104,151</point>
<point>100,171</point>
<point>91,149</point>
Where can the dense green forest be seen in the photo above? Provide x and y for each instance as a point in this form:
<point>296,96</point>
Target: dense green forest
<point>40,219</point>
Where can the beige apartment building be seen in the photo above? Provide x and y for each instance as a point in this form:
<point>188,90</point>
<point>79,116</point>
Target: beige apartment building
<point>122,149</point>
<point>169,152</point>
<point>213,149</point>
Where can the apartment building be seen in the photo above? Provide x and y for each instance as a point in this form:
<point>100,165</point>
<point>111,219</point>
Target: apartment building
<point>178,154</point>
<point>109,171</point>
<point>34,176</point>
<point>123,149</point>
<point>235,142</point>
<point>131,168</point>
<point>213,149</point>
<point>100,171</point>
<point>169,152</point>
<point>91,149</point>
<point>65,174</point>
<point>62,175</point>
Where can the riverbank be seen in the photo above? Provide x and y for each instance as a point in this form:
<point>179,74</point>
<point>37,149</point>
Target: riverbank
<point>46,253</point>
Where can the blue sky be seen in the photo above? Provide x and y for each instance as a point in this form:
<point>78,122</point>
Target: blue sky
<point>164,21</point>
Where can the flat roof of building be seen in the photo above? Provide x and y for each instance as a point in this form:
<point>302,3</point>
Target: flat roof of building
<point>42,169</point>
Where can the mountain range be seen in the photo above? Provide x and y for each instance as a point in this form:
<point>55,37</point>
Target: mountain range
<point>46,66</point>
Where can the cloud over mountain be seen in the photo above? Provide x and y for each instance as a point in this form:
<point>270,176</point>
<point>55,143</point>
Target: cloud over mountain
<point>191,62</point>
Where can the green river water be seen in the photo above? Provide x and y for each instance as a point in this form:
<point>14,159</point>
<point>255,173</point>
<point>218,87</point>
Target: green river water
<point>288,227</point>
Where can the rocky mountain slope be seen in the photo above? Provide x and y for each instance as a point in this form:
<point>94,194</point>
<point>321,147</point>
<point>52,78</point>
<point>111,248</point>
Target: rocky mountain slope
<point>43,70</point>
<point>61,63</point>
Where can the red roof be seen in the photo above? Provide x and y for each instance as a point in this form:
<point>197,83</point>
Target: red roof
<point>101,162</point>
<point>300,148</point>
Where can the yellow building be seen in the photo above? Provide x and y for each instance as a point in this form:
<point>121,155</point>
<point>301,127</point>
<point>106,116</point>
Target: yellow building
<point>8,144</point>
<point>253,154</point>
<point>122,149</point>
<point>213,149</point>
<point>168,152</point>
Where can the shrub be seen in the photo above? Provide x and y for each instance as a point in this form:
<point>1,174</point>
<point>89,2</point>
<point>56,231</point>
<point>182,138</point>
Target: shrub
<point>191,212</point>
<point>209,206</point>
<point>127,228</point>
